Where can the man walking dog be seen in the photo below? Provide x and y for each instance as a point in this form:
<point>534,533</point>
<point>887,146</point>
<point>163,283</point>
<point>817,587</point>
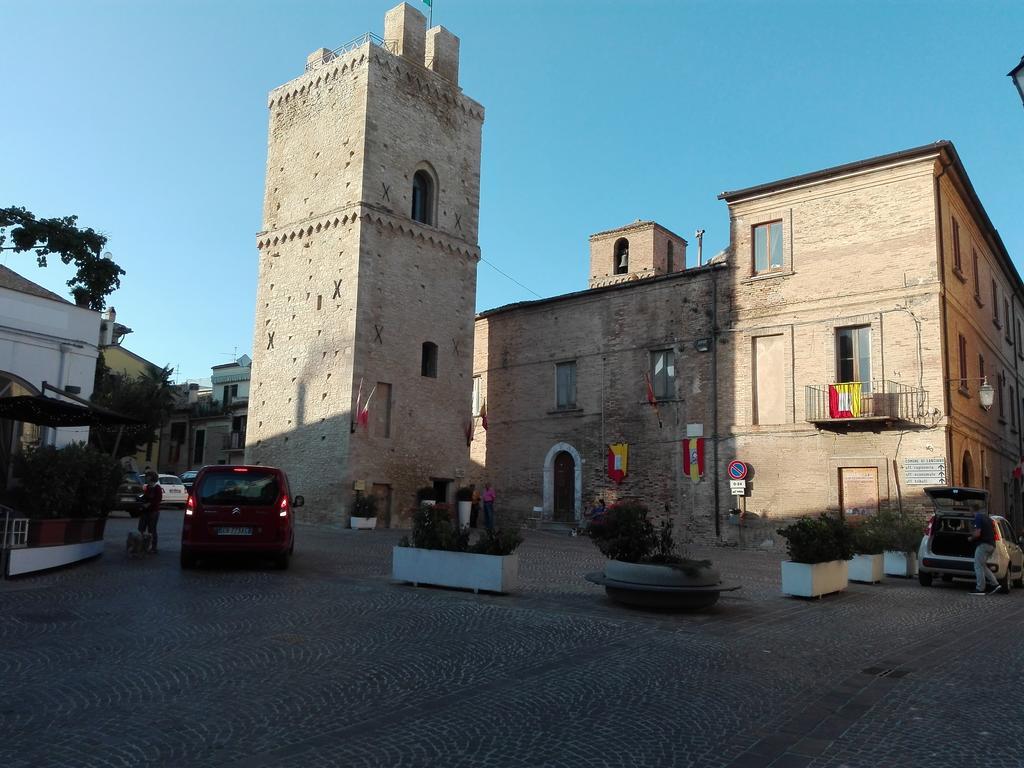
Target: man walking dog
<point>153,495</point>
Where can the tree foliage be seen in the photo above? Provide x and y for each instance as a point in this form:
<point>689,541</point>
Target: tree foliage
<point>147,397</point>
<point>97,276</point>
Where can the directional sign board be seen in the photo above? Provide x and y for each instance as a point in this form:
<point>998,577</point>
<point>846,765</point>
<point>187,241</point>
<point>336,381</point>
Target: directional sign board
<point>738,487</point>
<point>737,470</point>
<point>924,471</point>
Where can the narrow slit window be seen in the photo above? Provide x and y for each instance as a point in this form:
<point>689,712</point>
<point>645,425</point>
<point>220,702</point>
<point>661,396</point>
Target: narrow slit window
<point>428,361</point>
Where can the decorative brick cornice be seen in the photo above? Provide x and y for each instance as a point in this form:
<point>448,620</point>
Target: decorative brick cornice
<point>378,217</point>
<point>426,81</point>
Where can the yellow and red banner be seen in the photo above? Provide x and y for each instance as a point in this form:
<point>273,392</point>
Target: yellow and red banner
<point>844,400</point>
<point>693,458</point>
<point>618,461</point>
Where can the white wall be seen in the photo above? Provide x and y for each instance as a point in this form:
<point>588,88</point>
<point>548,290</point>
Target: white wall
<point>48,340</point>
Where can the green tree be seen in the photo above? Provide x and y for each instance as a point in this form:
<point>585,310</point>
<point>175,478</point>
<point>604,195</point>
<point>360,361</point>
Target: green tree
<point>97,276</point>
<point>147,397</point>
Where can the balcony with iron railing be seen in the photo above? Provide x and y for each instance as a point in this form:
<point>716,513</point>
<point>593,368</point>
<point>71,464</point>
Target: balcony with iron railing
<point>234,441</point>
<point>876,403</point>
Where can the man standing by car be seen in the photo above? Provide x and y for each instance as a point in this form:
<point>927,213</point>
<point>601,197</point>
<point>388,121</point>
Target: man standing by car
<point>153,494</point>
<point>984,536</point>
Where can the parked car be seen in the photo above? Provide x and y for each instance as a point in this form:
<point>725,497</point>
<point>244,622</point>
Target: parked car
<point>947,550</point>
<point>128,493</point>
<point>239,509</point>
<point>174,490</point>
<point>188,478</point>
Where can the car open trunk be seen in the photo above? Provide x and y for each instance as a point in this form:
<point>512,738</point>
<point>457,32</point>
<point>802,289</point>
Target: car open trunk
<point>951,536</point>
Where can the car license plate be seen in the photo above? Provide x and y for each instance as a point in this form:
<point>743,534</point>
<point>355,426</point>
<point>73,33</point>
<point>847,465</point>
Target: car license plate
<point>234,531</point>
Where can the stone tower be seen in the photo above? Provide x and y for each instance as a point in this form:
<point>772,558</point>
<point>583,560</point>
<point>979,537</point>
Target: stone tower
<point>634,252</point>
<point>367,278</point>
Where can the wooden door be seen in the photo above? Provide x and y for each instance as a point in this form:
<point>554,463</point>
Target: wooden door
<point>565,487</point>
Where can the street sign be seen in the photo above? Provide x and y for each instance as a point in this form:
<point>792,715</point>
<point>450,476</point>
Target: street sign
<point>924,471</point>
<point>737,470</point>
<point>738,487</point>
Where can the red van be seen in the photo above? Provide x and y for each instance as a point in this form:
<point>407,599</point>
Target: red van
<point>239,509</point>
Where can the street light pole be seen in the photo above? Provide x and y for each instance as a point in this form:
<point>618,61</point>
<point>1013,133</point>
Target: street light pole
<point>1017,75</point>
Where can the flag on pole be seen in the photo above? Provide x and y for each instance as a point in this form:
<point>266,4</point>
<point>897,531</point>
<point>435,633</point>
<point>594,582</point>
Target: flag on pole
<point>363,417</point>
<point>428,3</point>
<point>693,458</point>
<point>468,428</point>
<point>1018,471</point>
<point>618,461</point>
<point>483,414</point>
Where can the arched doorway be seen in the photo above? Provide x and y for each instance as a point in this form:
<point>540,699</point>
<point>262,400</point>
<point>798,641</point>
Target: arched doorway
<point>967,470</point>
<point>569,469</point>
<point>565,487</point>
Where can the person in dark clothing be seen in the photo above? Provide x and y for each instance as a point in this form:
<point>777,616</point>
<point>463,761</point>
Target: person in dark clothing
<point>150,516</point>
<point>474,506</point>
<point>984,536</point>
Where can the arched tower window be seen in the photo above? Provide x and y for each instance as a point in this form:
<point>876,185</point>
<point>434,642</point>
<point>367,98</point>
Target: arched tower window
<point>423,197</point>
<point>428,360</point>
<point>966,470</point>
<point>670,257</point>
<point>621,263</point>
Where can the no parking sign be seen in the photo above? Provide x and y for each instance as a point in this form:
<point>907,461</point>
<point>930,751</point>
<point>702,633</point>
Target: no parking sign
<point>737,470</point>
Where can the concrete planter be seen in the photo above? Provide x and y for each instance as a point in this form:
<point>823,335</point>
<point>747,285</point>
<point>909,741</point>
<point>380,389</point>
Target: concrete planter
<point>461,570</point>
<point>814,579</point>
<point>867,568</point>
<point>661,586</point>
<point>901,564</point>
<point>57,542</point>
<point>362,523</point>
<point>465,508</point>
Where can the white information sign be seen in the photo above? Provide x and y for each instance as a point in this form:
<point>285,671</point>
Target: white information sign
<point>738,487</point>
<point>924,471</point>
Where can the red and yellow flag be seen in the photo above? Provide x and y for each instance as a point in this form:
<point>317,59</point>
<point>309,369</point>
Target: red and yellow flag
<point>693,458</point>
<point>618,459</point>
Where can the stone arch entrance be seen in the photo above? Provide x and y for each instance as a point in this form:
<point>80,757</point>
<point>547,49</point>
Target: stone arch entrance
<point>967,470</point>
<point>563,475</point>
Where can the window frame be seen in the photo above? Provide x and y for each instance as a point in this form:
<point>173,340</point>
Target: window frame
<point>958,269</point>
<point>769,268</point>
<point>995,304</point>
<point>977,277</point>
<point>856,357</point>
<point>571,402</point>
<point>423,201</point>
<point>428,360</point>
<point>663,385</point>
<point>961,344</point>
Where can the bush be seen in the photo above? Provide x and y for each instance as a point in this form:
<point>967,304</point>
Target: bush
<point>497,542</point>
<point>626,534</point>
<point>899,533</point>
<point>869,538</point>
<point>464,494</point>
<point>75,481</point>
<point>364,506</point>
<point>432,528</point>
<point>426,493</point>
<point>818,540</point>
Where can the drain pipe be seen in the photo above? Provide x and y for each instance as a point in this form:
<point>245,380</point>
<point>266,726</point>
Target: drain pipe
<point>947,377</point>
<point>714,391</point>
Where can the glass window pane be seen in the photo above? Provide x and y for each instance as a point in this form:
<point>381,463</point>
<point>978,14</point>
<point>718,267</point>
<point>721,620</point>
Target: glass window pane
<point>776,245</point>
<point>760,249</point>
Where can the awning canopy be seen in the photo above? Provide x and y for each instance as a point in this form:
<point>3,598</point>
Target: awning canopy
<point>48,412</point>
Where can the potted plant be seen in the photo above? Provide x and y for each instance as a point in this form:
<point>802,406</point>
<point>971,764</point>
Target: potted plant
<point>464,501</point>
<point>364,512</point>
<point>819,548</point>
<point>439,553</point>
<point>868,545</point>
<point>66,494</point>
<point>644,566</point>
<point>902,539</point>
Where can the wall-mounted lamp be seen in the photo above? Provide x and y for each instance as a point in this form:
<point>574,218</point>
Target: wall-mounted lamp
<point>1017,75</point>
<point>986,394</point>
<point>702,345</point>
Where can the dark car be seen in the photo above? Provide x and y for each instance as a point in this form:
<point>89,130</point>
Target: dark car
<point>128,493</point>
<point>188,478</point>
<point>239,509</point>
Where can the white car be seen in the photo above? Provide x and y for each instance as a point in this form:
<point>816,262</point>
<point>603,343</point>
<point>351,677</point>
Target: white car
<point>174,490</point>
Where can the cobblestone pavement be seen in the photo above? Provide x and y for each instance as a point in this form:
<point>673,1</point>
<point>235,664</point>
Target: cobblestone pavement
<point>122,662</point>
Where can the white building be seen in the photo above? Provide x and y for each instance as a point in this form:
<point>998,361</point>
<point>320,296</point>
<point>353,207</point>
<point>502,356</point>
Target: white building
<point>43,338</point>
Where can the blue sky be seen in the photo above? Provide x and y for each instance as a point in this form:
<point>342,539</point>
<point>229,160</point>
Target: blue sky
<point>148,120</point>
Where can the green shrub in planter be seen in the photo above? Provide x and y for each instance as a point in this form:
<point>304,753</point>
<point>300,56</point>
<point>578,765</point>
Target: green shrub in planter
<point>426,493</point>
<point>869,538</point>
<point>818,540</point>
<point>899,533</point>
<point>464,494</point>
<point>75,481</point>
<point>364,506</point>
<point>497,542</point>
<point>629,536</point>
<point>432,528</point>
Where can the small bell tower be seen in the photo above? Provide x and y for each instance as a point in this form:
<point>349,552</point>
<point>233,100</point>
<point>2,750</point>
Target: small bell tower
<point>634,252</point>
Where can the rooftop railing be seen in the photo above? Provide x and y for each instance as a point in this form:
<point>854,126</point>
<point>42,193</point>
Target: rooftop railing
<point>367,37</point>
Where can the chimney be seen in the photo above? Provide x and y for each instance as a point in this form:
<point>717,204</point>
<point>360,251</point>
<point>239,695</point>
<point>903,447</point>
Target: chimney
<point>442,54</point>
<point>404,31</point>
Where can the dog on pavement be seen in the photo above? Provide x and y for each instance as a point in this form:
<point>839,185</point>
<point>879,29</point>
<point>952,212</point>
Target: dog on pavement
<point>138,544</point>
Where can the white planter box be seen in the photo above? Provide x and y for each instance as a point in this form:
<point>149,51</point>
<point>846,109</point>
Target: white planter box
<point>31,559</point>
<point>465,508</point>
<point>814,579</point>
<point>901,564</point>
<point>867,568</point>
<point>462,570</point>
<point>363,523</point>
